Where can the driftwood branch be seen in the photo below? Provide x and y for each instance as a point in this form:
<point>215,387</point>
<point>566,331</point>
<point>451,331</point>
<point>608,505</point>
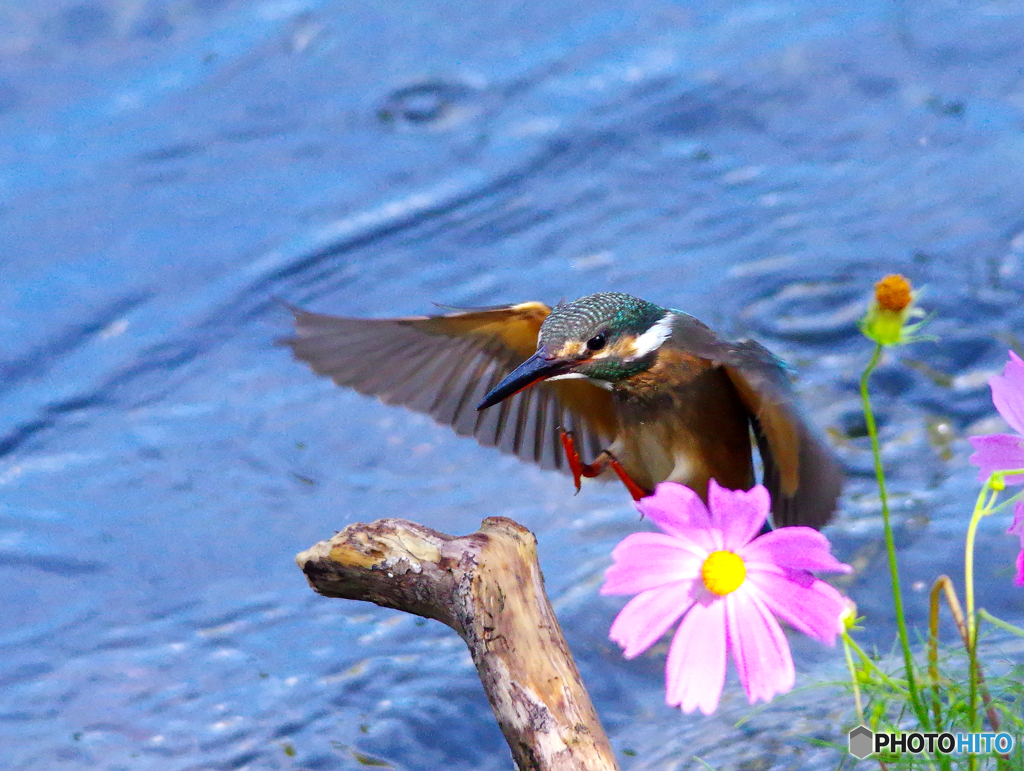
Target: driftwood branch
<point>488,587</point>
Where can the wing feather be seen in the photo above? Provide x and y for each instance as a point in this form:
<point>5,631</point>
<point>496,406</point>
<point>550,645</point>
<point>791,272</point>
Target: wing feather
<point>800,470</point>
<point>444,366</point>
<point>540,417</point>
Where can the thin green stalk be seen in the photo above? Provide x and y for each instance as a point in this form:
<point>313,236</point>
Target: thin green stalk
<point>1003,504</point>
<point>869,664</point>
<point>984,506</point>
<point>981,507</point>
<point>890,544</point>
<point>853,678</point>
<point>1000,623</point>
<point>972,624</point>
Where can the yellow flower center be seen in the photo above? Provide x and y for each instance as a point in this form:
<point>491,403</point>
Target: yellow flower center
<point>893,293</point>
<point>723,572</point>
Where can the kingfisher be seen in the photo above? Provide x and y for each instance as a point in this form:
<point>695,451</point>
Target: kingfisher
<point>649,393</point>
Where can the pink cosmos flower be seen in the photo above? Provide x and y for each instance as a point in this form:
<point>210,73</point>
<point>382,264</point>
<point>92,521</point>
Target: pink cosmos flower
<point>728,584</point>
<point>1017,528</point>
<point>1004,452</point>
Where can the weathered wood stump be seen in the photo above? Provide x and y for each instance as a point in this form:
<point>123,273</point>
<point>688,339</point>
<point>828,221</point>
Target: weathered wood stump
<point>488,587</point>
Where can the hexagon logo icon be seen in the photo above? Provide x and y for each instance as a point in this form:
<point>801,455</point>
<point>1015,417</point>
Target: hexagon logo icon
<point>862,742</point>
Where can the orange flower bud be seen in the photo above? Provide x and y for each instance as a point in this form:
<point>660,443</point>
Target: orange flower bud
<point>893,293</point>
<point>892,307</point>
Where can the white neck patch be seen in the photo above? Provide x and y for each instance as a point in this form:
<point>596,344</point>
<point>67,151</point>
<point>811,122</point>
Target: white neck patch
<point>652,339</point>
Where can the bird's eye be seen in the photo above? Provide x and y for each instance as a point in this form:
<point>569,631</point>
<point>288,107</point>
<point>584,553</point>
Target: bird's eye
<point>596,343</point>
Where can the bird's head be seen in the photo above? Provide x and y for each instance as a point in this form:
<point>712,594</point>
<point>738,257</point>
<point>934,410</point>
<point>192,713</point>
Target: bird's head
<point>603,337</point>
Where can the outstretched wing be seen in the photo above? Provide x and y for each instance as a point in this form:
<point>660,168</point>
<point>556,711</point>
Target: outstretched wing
<point>444,366</point>
<point>800,471</point>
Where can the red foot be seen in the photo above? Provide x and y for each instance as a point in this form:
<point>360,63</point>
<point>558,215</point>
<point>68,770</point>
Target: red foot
<point>634,489</point>
<point>577,466</point>
<point>580,469</point>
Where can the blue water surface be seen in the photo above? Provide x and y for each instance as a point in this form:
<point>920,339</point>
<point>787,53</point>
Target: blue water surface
<point>168,169</point>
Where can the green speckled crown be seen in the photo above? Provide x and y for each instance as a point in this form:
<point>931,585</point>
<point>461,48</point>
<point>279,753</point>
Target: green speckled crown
<point>613,312</point>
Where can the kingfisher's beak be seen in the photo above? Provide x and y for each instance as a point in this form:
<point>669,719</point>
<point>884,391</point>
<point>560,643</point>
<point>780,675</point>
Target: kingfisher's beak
<point>538,367</point>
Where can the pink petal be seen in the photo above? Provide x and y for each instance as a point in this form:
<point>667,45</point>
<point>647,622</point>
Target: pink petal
<point>1008,393</point>
<point>675,509</point>
<point>739,514</point>
<point>1017,526</point>
<point>646,617</point>
<point>647,560</point>
<point>798,548</point>
<point>998,452</point>
<point>806,603</point>
<point>695,670</point>
<point>759,647</point>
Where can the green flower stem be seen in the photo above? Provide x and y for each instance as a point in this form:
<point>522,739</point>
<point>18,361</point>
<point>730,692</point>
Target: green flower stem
<point>972,625</point>
<point>1003,504</point>
<point>853,678</point>
<point>871,665</point>
<point>1000,623</point>
<point>984,506</point>
<point>890,544</point>
<point>981,507</point>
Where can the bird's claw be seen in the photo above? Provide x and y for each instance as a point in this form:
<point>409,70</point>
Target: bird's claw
<point>580,469</point>
<point>634,489</point>
<point>571,455</point>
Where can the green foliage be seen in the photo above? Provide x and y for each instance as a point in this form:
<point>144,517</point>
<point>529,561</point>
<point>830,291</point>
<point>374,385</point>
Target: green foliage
<point>887,709</point>
<point>959,688</point>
